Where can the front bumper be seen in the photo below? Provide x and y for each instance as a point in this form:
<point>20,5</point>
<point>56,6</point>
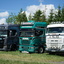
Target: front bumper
<point>55,50</point>
<point>32,49</point>
<point>4,48</point>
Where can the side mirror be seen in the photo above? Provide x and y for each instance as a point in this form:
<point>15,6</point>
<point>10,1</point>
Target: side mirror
<point>38,32</point>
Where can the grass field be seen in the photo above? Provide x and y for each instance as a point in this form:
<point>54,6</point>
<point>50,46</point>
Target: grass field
<point>16,57</point>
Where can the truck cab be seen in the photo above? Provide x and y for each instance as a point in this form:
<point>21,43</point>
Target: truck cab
<point>32,37</point>
<point>55,38</point>
<point>9,37</point>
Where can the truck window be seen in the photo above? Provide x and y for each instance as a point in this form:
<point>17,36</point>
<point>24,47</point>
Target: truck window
<point>38,32</point>
<point>26,33</point>
<point>3,32</point>
<point>12,33</point>
<point>55,30</point>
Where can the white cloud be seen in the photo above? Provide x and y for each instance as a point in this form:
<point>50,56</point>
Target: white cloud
<point>33,8</point>
<point>4,14</point>
<point>3,21</point>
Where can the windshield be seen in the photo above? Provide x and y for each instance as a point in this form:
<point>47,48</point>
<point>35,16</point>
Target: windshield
<point>27,32</point>
<point>55,30</point>
<point>3,33</point>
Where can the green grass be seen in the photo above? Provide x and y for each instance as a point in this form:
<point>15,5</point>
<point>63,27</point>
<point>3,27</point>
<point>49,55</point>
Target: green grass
<point>18,62</point>
<point>16,57</point>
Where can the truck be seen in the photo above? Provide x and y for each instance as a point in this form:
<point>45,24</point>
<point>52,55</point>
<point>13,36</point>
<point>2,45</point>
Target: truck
<point>55,38</point>
<point>9,37</point>
<point>32,37</point>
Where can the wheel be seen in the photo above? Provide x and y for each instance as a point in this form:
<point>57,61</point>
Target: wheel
<point>41,50</point>
<point>13,47</point>
<point>51,53</point>
<point>20,51</point>
<point>30,52</point>
<point>6,49</point>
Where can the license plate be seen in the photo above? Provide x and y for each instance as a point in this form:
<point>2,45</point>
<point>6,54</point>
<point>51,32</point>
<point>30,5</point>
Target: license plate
<point>25,52</point>
<point>25,39</point>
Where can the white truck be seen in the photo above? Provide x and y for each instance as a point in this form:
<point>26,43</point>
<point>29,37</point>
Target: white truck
<point>55,38</point>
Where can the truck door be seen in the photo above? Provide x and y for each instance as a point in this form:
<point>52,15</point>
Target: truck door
<point>13,39</point>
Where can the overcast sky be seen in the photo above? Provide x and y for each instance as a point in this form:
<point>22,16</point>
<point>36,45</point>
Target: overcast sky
<point>30,6</point>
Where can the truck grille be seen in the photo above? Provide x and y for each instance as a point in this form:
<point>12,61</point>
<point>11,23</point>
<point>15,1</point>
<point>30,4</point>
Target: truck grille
<point>56,41</point>
<point>25,48</point>
<point>54,44</point>
<point>25,42</point>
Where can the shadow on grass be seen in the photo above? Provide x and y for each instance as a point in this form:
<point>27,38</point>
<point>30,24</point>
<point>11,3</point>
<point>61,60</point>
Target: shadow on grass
<point>18,62</point>
<point>57,54</point>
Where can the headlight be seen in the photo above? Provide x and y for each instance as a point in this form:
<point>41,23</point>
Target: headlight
<point>19,46</point>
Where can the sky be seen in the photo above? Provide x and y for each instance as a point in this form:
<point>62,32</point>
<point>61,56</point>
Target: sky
<point>29,6</point>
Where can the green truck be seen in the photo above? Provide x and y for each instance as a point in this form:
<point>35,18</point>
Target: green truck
<point>32,37</point>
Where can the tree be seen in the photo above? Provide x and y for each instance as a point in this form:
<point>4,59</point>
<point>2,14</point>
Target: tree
<point>59,14</point>
<point>43,17</point>
<point>17,19</point>
<point>11,18</point>
<point>39,16</point>
<point>21,17</point>
<point>24,18</point>
<point>62,14</point>
<point>55,17</point>
<point>51,16</point>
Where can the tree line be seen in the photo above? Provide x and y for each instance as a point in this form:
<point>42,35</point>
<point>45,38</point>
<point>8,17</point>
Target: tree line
<point>38,16</point>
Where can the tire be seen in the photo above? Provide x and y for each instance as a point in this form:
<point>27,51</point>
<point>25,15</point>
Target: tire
<point>13,47</point>
<point>6,49</point>
<point>20,51</point>
<point>41,50</point>
<point>30,52</point>
<point>51,53</point>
